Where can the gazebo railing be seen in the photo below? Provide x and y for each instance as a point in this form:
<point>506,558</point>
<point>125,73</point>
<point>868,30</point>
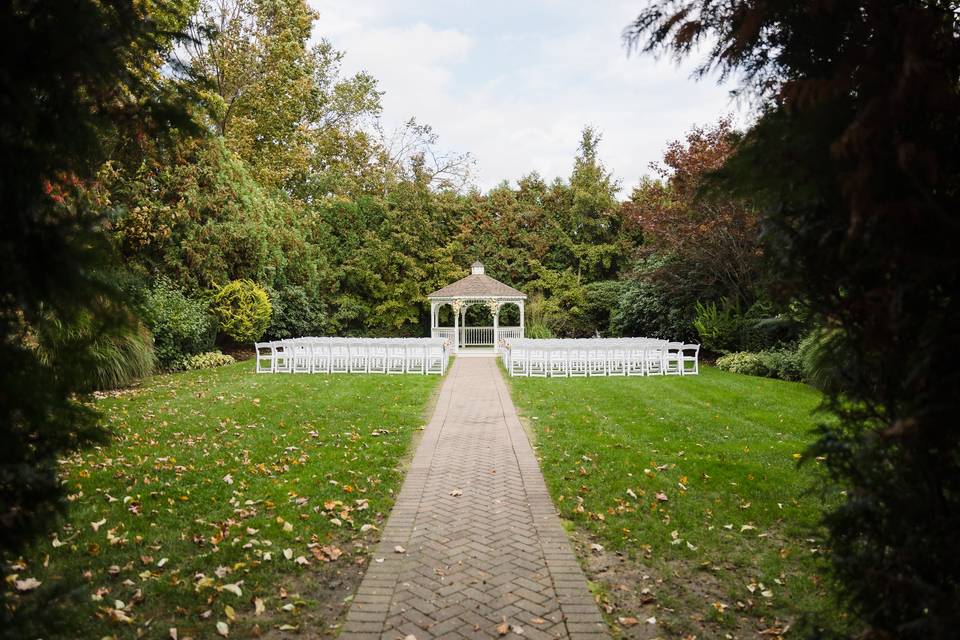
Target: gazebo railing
<point>443,332</point>
<point>474,336</point>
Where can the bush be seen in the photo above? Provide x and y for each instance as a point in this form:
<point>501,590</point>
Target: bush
<point>744,362</point>
<point>784,364</point>
<point>719,328</point>
<point>181,326</point>
<point>243,310</point>
<point>294,314</point>
<point>207,360</point>
<point>105,357</point>
<point>538,331</point>
<point>600,301</point>
<point>644,309</point>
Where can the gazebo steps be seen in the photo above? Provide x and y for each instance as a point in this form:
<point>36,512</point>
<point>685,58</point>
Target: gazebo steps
<point>477,352</point>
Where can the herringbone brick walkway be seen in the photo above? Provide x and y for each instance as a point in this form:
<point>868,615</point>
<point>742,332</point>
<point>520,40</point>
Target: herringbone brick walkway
<point>473,539</point>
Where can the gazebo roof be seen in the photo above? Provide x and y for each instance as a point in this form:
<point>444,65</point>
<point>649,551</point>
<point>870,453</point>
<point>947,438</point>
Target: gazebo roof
<point>477,285</point>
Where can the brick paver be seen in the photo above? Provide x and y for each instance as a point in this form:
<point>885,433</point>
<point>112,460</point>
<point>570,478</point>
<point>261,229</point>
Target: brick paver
<point>482,541</point>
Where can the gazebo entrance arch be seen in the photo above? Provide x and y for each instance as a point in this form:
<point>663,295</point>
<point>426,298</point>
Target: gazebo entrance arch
<point>477,288</point>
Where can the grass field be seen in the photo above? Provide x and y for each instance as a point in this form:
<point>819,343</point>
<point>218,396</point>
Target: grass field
<point>686,500</point>
<point>227,503</point>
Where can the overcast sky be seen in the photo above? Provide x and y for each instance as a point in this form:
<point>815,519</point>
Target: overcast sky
<point>514,82</point>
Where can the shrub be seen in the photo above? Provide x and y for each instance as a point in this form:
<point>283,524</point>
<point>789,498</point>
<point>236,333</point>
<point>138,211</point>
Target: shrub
<point>646,309</point>
<point>784,364</point>
<point>106,357</point>
<point>207,360</point>
<point>719,328</point>
<point>243,310</point>
<point>181,326</point>
<point>744,362</point>
<point>538,331</point>
<point>294,314</point>
<point>601,300</point>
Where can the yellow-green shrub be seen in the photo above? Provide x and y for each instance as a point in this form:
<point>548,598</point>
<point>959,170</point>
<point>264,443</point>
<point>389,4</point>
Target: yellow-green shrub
<point>243,310</point>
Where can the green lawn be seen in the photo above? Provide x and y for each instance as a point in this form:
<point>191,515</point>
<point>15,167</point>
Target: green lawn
<point>691,487</point>
<point>225,497</point>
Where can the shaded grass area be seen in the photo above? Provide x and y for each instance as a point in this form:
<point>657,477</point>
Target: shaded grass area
<point>225,497</point>
<point>686,500</point>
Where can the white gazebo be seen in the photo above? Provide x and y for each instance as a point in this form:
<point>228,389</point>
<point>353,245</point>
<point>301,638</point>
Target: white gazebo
<point>476,288</point>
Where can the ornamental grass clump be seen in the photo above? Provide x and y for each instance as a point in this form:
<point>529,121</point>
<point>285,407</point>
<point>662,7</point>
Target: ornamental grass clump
<point>243,310</point>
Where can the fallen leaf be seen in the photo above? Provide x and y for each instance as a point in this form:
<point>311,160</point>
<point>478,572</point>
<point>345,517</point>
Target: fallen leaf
<point>230,613</point>
<point>29,584</point>
<point>662,497</point>
<point>503,628</point>
<point>233,588</point>
<point>537,621</point>
<point>628,621</point>
<point>288,554</point>
<point>596,548</point>
<point>258,606</point>
<point>651,620</point>
<point>96,525</point>
<point>456,493</point>
<point>173,633</point>
<point>223,629</point>
<point>399,549</point>
<point>228,479</point>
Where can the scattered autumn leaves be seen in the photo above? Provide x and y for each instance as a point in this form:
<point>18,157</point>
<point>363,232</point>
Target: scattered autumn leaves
<point>219,488</point>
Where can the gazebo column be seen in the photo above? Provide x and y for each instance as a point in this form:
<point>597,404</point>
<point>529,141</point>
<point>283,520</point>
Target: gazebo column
<point>496,317</point>
<point>523,333</point>
<point>456,331</point>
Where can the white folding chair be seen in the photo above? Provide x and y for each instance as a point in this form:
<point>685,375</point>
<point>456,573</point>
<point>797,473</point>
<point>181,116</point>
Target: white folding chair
<point>301,357</point>
<point>416,358</point>
<point>653,359</point>
<point>616,360</point>
<point>319,356</point>
<point>688,358</point>
<point>673,359</point>
<point>265,353</point>
<point>537,362</point>
<point>578,363</point>
<point>339,357</point>
<point>396,359</point>
<point>282,357</point>
<point>558,360</point>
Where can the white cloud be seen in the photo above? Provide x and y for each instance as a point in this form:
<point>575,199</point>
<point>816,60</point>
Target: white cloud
<point>514,83</point>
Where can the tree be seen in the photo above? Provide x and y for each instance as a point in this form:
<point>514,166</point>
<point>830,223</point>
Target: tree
<point>73,74</point>
<point>411,153</point>
<point>269,94</point>
<point>853,166</point>
<point>710,246</point>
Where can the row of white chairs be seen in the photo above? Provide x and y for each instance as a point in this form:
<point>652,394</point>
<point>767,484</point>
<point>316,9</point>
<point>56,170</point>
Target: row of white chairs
<point>564,358</point>
<point>354,355</point>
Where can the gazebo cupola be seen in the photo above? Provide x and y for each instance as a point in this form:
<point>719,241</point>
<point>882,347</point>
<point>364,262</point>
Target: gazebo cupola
<point>476,288</point>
